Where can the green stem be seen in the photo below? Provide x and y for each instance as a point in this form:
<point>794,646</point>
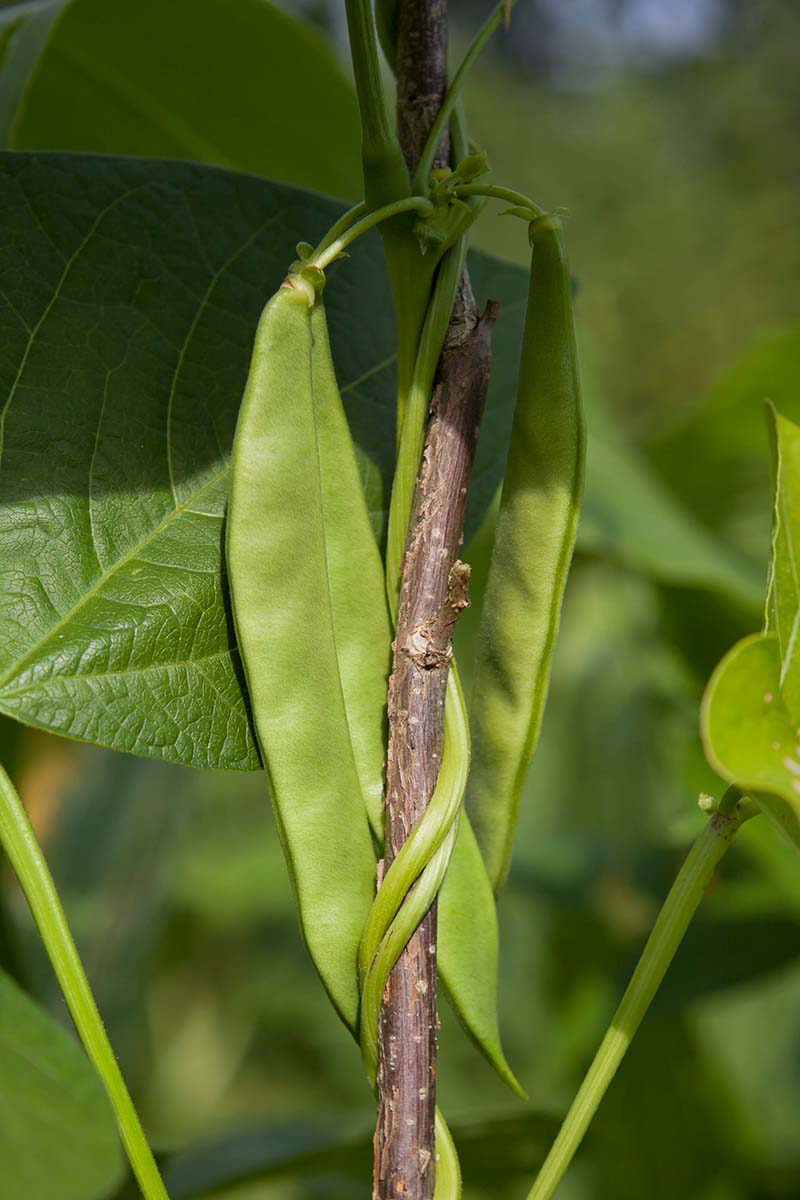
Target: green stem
<point>509,195</point>
<point>385,173</point>
<point>453,93</point>
<point>345,221</point>
<point>680,906</point>
<point>25,855</point>
<point>329,249</point>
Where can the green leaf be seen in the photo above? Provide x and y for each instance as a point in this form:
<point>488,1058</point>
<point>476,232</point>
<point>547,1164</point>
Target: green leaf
<point>131,293</point>
<point>24,30</point>
<point>58,1140</point>
<point>750,737</point>
<point>232,82</point>
<point>750,717</point>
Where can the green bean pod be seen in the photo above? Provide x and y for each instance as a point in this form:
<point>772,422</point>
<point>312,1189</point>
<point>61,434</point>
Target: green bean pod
<point>312,626</point>
<point>533,547</point>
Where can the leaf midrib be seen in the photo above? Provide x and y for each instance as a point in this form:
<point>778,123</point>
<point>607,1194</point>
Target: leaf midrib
<point>156,666</point>
<point>100,582</point>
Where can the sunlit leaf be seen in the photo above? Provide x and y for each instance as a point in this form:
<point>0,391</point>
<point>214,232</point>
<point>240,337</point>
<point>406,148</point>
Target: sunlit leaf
<point>130,295</point>
<point>750,737</point>
<point>751,709</point>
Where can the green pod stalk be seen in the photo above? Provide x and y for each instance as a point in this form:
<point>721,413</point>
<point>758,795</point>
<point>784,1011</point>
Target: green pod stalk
<point>533,547</point>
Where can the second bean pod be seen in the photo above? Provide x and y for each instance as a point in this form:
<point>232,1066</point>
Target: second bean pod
<point>533,546</point>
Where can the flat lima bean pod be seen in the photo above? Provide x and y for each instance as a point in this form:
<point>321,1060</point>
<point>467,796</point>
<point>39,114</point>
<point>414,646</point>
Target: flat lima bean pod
<point>309,608</point>
<point>535,536</point>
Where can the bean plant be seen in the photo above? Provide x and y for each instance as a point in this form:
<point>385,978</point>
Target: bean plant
<point>243,614</point>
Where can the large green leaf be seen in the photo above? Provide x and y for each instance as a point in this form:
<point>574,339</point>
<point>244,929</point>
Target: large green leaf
<point>131,291</point>
<point>58,1140</point>
<point>232,82</point>
<point>130,296</point>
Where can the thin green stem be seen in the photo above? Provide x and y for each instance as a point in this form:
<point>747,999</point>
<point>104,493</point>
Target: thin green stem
<point>25,855</point>
<point>328,250</point>
<point>453,93</point>
<point>679,907</point>
<point>345,221</point>
<point>509,195</point>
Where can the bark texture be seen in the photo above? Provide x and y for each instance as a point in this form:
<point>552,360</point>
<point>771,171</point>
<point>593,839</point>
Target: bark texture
<point>421,68</point>
<point>433,593</point>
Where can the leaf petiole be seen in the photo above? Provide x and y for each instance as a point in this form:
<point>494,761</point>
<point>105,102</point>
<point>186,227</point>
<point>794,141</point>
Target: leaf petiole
<point>493,192</point>
<point>679,907</point>
<point>25,855</point>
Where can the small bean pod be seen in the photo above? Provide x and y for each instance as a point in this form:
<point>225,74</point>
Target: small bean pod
<point>312,626</point>
<point>533,547</point>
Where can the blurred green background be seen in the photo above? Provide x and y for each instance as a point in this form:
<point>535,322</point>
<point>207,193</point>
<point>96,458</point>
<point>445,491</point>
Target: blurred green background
<point>668,128</point>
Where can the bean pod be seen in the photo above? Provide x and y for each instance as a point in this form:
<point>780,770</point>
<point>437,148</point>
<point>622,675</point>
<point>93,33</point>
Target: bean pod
<point>312,627</point>
<point>532,552</point>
